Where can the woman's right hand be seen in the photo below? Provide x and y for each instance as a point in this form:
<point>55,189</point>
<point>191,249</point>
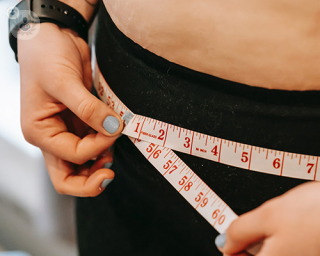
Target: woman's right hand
<point>60,115</point>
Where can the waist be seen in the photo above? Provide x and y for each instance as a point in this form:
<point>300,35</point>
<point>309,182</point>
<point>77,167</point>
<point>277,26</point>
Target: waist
<point>272,45</point>
<point>152,86</point>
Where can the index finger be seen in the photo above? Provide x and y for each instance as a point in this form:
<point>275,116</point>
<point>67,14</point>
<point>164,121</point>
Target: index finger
<point>66,181</point>
<point>87,107</point>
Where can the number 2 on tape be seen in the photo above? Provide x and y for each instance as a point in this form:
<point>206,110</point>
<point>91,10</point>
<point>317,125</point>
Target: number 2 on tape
<point>155,139</point>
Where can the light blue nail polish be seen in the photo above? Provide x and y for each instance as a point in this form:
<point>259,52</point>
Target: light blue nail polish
<point>111,124</point>
<point>220,240</point>
<point>106,182</point>
<point>107,165</point>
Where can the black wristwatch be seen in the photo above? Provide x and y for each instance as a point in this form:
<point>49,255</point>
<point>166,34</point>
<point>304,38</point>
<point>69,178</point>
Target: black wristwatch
<point>34,11</point>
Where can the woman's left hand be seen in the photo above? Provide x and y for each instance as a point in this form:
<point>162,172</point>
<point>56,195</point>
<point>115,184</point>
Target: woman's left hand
<point>288,225</point>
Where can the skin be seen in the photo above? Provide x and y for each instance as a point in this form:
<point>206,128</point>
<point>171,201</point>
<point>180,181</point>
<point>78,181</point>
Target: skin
<point>289,225</point>
<point>60,116</point>
<point>272,44</point>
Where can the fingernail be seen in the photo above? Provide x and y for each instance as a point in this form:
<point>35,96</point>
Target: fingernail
<point>105,182</point>
<point>220,240</point>
<point>107,165</point>
<point>111,124</point>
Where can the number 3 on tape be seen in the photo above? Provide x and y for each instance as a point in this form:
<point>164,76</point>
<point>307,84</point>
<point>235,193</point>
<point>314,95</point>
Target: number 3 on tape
<point>223,151</point>
<point>173,169</point>
<point>155,139</point>
<point>188,184</point>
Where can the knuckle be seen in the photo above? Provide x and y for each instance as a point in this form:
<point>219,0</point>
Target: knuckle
<point>86,110</point>
<point>88,192</point>
<point>78,159</point>
<point>93,193</point>
<point>267,212</point>
<point>28,133</point>
<point>59,188</point>
<point>266,209</point>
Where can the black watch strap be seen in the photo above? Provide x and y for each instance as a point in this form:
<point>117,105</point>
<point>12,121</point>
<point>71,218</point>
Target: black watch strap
<point>52,11</point>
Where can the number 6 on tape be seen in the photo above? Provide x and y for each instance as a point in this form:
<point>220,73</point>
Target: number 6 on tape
<point>155,140</point>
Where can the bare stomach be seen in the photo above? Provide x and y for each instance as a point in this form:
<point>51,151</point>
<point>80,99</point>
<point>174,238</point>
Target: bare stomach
<point>273,44</point>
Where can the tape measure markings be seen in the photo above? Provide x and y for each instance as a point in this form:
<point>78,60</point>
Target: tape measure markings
<point>316,168</point>
<point>250,157</point>
<point>170,166</point>
<point>220,150</point>
<point>189,185</point>
<point>200,196</point>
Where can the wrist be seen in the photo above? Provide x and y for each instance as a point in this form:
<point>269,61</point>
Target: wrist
<point>86,8</point>
<point>45,11</point>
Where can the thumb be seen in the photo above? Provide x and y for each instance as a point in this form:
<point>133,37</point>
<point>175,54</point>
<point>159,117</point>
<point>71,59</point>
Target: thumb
<point>243,234</point>
<point>75,96</point>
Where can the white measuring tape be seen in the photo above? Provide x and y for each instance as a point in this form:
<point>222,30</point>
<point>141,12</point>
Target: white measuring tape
<point>155,139</point>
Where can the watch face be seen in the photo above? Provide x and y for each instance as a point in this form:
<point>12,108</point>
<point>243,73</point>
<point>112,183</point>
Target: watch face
<point>24,29</point>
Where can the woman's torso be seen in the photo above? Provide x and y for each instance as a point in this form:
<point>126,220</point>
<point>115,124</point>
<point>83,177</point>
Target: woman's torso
<point>140,213</point>
<point>272,44</point>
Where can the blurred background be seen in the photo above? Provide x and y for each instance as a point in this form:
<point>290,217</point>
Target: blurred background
<point>33,217</point>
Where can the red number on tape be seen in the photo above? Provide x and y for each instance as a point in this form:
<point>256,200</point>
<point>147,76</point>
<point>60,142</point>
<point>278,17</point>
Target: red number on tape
<point>187,187</point>
<point>187,144</point>
<point>136,130</point>
<point>215,151</point>
<point>276,163</point>
<point>198,198</point>
<point>310,165</point>
<point>204,202</point>
<point>183,180</point>
<point>215,214</point>
<point>166,166</point>
<point>244,157</point>
<point>161,134</point>
<point>156,154</point>
<point>173,169</point>
<point>150,148</point>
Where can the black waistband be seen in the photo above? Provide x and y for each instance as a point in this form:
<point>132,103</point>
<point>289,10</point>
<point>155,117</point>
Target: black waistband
<point>287,120</point>
<point>140,213</point>
<point>294,98</point>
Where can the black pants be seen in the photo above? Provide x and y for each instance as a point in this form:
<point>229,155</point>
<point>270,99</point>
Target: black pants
<point>140,213</point>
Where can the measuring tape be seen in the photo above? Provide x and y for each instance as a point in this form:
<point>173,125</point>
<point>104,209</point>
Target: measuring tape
<point>156,140</point>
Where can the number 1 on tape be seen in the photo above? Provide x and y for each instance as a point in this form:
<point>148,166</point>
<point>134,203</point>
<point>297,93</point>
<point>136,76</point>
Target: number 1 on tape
<point>155,139</point>
<point>173,169</point>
